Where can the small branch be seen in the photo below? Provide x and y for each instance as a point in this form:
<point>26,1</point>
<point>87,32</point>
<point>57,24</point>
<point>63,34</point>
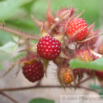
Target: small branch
<point>45,86</point>
<point>18,33</point>
<point>84,80</point>
<point>88,89</point>
<point>30,87</point>
<point>8,97</point>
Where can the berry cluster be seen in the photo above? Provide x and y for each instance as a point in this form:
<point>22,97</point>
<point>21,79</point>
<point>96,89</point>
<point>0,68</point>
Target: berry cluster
<point>54,46</point>
<point>63,37</point>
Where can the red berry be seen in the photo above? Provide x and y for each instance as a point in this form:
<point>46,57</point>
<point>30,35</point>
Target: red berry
<point>99,74</point>
<point>33,71</point>
<point>49,48</point>
<point>77,29</point>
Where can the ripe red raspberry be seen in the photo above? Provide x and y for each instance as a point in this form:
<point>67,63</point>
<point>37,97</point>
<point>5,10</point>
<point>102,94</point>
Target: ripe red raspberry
<point>48,48</point>
<point>33,71</point>
<point>77,29</point>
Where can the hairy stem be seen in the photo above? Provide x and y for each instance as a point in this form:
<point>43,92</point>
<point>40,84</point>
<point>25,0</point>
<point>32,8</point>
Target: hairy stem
<point>45,86</point>
<point>18,33</point>
<point>89,89</point>
<point>84,80</point>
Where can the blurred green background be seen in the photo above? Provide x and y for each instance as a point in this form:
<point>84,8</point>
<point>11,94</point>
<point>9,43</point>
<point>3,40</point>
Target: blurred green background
<point>16,15</point>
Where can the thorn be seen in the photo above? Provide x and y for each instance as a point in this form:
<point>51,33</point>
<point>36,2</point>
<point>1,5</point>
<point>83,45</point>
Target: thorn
<point>79,15</point>
<point>18,70</point>
<point>49,14</point>
<point>38,23</point>
<point>91,26</point>
<point>15,63</point>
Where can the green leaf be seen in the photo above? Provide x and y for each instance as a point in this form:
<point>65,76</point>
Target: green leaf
<point>1,67</point>
<point>95,65</point>
<point>91,8</point>
<point>2,0</point>
<point>9,7</point>
<point>5,37</point>
<point>41,100</point>
<point>28,6</point>
<point>6,50</point>
<point>18,56</point>
<point>9,47</point>
<point>21,23</point>
<point>16,39</point>
<point>101,92</point>
<point>95,87</point>
<point>99,89</point>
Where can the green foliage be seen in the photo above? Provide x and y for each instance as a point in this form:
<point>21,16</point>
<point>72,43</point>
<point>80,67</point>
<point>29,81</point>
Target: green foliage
<point>9,47</point>
<point>1,67</point>
<point>2,0</point>
<point>99,89</point>
<point>41,100</point>
<point>9,7</point>
<point>95,65</point>
<point>16,39</point>
<point>6,50</point>
<point>16,14</point>
<point>18,56</point>
<point>91,8</point>
<point>28,6</point>
<point>5,37</point>
<point>101,92</point>
<point>95,87</point>
<point>24,24</point>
